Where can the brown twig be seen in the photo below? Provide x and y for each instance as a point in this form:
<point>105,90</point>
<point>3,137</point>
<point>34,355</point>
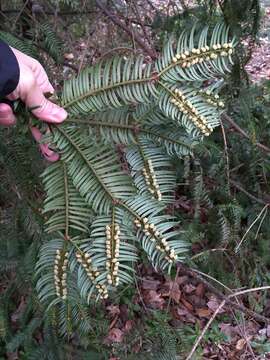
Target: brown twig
<point>139,20</point>
<point>115,19</point>
<point>242,132</point>
<point>71,66</point>
<point>117,49</point>
<point>199,339</point>
<point>60,13</point>
<point>226,154</point>
<point>190,272</point>
<point>171,289</point>
<point>149,2</point>
<point>20,13</point>
<point>251,196</point>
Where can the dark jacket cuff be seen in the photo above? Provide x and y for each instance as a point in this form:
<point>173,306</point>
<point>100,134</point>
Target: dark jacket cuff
<point>9,70</point>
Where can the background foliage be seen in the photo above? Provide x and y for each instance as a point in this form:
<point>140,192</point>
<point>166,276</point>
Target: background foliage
<point>220,199</point>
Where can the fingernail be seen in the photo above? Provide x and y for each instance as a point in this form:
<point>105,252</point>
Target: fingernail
<point>53,158</point>
<point>51,89</point>
<point>46,151</point>
<point>55,115</point>
<point>48,154</point>
<point>60,115</point>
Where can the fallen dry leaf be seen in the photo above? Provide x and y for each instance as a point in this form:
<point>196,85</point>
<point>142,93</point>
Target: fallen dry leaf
<point>197,301</point>
<point>204,312</point>
<point>189,288</point>
<point>128,326</point>
<point>69,56</point>
<point>200,290</point>
<point>113,310</point>
<point>18,312</point>
<point>268,331</point>
<point>227,329</point>
<point>240,344</point>
<point>213,304</point>
<point>179,312</point>
<point>154,299</point>
<point>115,335</point>
<point>188,305</point>
<point>182,279</point>
<point>172,291</point>
<point>150,284</point>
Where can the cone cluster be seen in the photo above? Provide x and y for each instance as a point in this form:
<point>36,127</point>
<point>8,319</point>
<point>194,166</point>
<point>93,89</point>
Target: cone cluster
<point>112,251</point>
<point>60,273</point>
<point>149,229</point>
<point>85,260</point>
<point>151,180</point>
<point>186,107</point>
<point>212,99</point>
<point>199,55</point>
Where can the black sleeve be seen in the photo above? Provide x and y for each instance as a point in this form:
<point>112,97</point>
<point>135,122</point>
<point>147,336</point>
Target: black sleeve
<point>9,70</point>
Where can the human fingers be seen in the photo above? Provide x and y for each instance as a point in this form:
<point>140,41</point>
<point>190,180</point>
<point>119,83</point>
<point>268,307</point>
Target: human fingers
<point>48,154</point>
<point>31,94</point>
<point>7,118</point>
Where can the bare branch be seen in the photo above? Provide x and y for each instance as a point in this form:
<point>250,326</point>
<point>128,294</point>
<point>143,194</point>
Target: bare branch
<point>184,269</point>
<point>199,339</point>
<point>242,132</point>
<point>115,19</point>
<point>251,196</point>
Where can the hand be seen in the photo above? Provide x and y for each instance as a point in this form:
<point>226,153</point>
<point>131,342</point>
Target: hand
<point>48,154</point>
<point>32,86</point>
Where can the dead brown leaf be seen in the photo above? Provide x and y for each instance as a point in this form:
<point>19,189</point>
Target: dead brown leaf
<point>188,305</point>
<point>154,299</point>
<point>69,56</point>
<point>189,288</point>
<point>172,290</point>
<point>213,304</point>
<point>200,290</point>
<point>150,284</point>
<point>203,312</point>
<point>240,344</point>
<point>113,310</point>
<point>18,312</point>
<point>268,331</point>
<point>115,335</point>
<point>128,326</point>
<point>227,329</point>
<point>179,312</point>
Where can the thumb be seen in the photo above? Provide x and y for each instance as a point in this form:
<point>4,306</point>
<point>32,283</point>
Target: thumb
<point>48,111</point>
<point>7,118</point>
<point>44,109</point>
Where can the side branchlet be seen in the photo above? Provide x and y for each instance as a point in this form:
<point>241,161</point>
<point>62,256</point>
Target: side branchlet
<point>60,273</point>
<point>151,180</point>
<point>162,245</point>
<point>85,260</point>
<point>112,252</point>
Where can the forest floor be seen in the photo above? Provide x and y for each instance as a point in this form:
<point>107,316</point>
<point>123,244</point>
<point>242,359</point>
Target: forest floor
<point>184,301</point>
